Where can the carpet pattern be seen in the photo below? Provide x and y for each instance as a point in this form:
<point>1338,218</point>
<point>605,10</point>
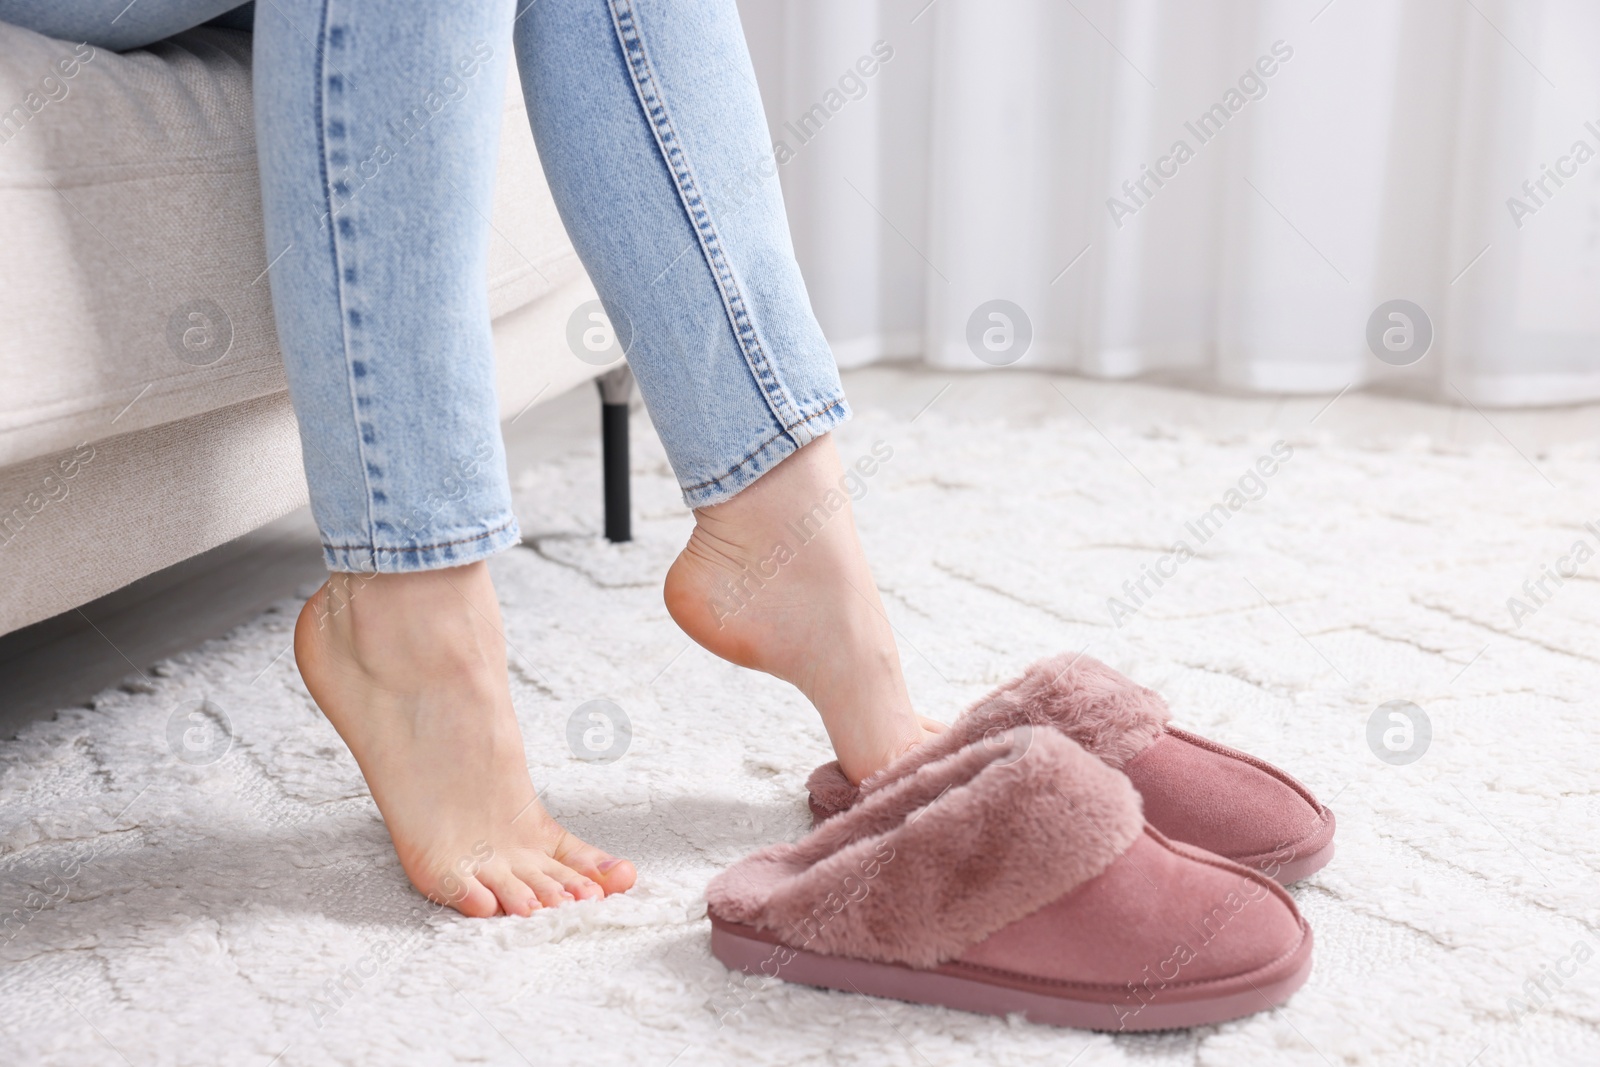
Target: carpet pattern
<point>248,910</point>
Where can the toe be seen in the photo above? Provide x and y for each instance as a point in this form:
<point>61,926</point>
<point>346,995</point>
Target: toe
<point>549,890</point>
<point>609,873</point>
<point>516,897</point>
<point>583,888</point>
<point>467,895</point>
<point>576,885</point>
<point>615,875</point>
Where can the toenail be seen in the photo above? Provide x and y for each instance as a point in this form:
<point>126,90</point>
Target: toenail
<point>608,864</point>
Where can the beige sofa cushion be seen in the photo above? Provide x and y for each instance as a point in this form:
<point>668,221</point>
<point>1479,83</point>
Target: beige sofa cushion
<point>126,506</point>
<point>130,201</point>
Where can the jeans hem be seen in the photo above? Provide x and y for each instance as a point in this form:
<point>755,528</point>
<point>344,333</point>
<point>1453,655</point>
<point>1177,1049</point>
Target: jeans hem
<point>502,534</point>
<point>766,455</point>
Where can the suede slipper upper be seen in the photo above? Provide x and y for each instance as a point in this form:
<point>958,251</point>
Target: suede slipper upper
<point>1014,875</point>
<point>1195,790</point>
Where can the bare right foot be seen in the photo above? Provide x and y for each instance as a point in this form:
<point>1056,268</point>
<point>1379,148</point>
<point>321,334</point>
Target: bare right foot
<point>411,670</point>
<point>775,579</point>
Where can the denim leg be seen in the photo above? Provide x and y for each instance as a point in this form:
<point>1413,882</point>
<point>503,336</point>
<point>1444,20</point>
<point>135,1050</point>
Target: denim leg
<point>377,135</point>
<point>377,142</point>
<point>652,137</point>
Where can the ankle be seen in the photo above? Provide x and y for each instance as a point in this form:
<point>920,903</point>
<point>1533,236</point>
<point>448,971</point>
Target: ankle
<point>427,621</point>
<point>861,758</point>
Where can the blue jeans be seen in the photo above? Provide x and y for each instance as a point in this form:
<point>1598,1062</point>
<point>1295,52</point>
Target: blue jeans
<point>377,132</point>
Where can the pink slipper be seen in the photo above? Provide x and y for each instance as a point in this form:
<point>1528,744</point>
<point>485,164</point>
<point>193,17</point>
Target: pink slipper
<point>1195,791</point>
<point>1014,876</point>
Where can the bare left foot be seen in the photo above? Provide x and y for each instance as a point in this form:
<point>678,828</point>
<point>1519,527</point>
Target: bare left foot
<point>411,670</point>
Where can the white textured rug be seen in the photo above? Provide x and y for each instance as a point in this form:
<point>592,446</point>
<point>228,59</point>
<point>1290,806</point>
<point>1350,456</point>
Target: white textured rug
<point>163,912</point>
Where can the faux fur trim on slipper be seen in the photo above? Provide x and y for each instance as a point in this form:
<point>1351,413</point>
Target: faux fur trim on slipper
<point>1100,708</point>
<point>939,859</point>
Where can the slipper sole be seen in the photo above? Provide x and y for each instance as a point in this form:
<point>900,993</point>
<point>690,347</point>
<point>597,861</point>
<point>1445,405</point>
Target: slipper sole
<point>1121,1008</point>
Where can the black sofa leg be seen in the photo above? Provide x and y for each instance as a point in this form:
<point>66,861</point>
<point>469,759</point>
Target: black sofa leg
<point>615,389</point>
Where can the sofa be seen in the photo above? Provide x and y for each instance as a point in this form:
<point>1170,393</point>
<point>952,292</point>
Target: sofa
<point>144,416</point>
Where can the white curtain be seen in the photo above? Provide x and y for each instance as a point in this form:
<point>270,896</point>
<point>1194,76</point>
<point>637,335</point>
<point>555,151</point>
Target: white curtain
<point>937,156</point>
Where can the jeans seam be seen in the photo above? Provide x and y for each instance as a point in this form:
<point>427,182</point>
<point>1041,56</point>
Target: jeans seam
<point>338,260</point>
<point>642,74</point>
<point>753,453</point>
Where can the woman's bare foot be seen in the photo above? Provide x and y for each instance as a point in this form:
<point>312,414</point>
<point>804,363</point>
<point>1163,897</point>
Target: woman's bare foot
<point>411,670</point>
<point>775,579</point>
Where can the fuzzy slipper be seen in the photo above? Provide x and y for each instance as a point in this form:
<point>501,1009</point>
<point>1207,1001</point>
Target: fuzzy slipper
<point>1195,791</point>
<point>1015,875</point>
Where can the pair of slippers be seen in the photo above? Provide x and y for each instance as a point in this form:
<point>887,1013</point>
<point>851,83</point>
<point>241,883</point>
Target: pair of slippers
<point>1061,851</point>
